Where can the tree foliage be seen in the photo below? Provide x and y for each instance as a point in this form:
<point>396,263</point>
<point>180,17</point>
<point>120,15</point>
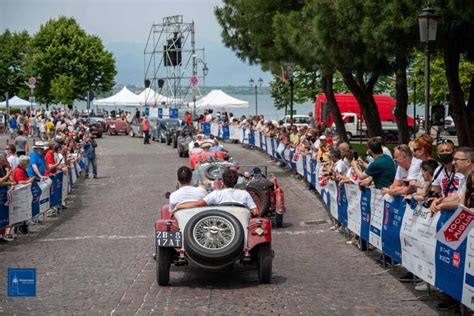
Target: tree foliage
<point>14,50</point>
<point>64,54</point>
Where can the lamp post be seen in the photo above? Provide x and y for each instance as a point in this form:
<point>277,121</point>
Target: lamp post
<point>290,70</point>
<point>428,24</point>
<point>194,80</point>
<point>255,85</point>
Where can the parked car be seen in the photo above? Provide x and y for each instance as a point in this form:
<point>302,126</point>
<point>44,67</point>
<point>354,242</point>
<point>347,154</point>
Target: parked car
<point>166,129</point>
<point>136,129</point>
<point>96,126</point>
<point>299,120</point>
<point>212,237</point>
<point>117,125</point>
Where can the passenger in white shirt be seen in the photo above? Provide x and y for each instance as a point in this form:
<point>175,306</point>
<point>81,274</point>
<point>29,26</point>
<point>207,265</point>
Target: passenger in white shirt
<point>196,149</point>
<point>227,195</point>
<point>186,191</point>
<point>408,172</point>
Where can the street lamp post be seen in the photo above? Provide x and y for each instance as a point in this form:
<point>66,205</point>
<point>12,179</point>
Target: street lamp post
<point>205,71</point>
<point>428,24</point>
<point>255,85</point>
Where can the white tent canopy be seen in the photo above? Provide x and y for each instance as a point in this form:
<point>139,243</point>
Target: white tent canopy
<point>16,102</point>
<point>152,98</point>
<point>217,99</point>
<point>123,98</point>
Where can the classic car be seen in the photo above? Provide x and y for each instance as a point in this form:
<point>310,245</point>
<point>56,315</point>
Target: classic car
<point>166,128</point>
<point>117,125</point>
<point>97,126</point>
<point>212,237</point>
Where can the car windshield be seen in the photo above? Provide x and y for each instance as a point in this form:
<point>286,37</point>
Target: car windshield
<point>96,120</point>
<point>301,119</point>
<point>171,123</point>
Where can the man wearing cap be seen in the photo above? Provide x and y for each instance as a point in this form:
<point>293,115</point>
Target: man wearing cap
<point>89,154</point>
<point>37,166</point>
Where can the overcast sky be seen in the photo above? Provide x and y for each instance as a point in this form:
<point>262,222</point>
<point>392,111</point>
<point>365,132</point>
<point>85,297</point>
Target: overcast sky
<point>124,25</point>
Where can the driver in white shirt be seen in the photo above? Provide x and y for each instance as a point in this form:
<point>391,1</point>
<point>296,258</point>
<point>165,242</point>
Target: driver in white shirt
<point>227,195</point>
<point>186,191</point>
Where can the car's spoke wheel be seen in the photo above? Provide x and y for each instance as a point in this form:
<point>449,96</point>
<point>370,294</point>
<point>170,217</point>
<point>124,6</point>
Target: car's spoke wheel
<point>264,263</point>
<point>213,232</point>
<point>214,238</point>
<point>175,142</point>
<point>163,264</point>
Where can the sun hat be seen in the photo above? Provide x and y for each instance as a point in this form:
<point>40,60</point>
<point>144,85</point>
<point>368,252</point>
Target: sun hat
<point>40,144</point>
<point>322,137</point>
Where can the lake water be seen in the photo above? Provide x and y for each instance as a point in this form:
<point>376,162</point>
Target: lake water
<point>265,107</point>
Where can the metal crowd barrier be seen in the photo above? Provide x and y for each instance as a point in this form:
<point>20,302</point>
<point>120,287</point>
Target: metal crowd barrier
<point>25,202</point>
<point>438,249</point>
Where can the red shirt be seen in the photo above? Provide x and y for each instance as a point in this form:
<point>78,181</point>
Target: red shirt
<point>188,119</point>
<point>49,158</point>
<point>19,175</point>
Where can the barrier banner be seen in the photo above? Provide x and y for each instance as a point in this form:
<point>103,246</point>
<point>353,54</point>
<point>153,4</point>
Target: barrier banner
<point>219,133</point>
<point>280,150</point>
<point>40,192</point>
<point>468,284</point>
<point>300,165</point>
<point>313,168</point>
<point>418,241</point>
<point>342,205</point>
<point>457,228</point>
<point>450,263</point>
<point>65,188</point>
<point>376,219</point>
<point>251,138</point>
<point>353,197</point>
<point>235,132</point>
<point>56,190</point>
<point>331,188</point>
<point>263,141</point>
<point>4,208</point>
<point>206,128</point>
<point>305,167</point>
<point>392,222</point>
<point>269,141</point>
<point>257,139</point>
<point>73,175</point>
<point>20,204</point>
<point>365,210</point>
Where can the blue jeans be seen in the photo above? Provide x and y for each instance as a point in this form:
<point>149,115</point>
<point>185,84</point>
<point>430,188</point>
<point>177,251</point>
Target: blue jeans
<point>92,161</point>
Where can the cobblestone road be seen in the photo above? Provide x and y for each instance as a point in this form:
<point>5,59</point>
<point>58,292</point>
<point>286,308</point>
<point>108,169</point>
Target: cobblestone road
<point>96,258</point>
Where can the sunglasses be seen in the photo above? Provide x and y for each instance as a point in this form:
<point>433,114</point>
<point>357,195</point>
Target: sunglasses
<point>460,159</point>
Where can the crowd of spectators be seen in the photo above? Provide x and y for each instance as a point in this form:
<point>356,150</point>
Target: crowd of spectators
<point>59,139</point>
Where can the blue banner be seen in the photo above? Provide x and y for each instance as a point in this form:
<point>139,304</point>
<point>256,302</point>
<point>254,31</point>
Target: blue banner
<point>450,263</point>
<point>35,204</point>
<point>4,209</point>
<point>313,172</point>
<point>251,138</point>
<point>206,128</point>
<point>342,205</point>
<point>392,223</point>
<point>225,132</point>
<point>174,113</point>
<point>365,205</point>
<point>56,190</point>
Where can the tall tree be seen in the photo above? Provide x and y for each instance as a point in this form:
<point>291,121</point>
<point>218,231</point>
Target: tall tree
<point>64,53</point>
<point>14,51</point>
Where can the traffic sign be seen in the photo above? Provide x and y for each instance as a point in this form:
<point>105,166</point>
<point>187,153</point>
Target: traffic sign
<point>194,81</point>
<point>32,81</point>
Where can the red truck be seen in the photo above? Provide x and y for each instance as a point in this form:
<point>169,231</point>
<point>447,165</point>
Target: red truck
<point>351,114</point>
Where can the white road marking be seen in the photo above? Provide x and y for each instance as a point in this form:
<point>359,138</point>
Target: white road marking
<point>116,237</point>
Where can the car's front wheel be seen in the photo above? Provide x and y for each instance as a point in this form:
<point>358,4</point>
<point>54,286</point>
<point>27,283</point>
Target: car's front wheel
<point>279,220</point>
<point>214,238</point>
<point>264,263</point>
<point>163,264</point>
<point>175,142</point>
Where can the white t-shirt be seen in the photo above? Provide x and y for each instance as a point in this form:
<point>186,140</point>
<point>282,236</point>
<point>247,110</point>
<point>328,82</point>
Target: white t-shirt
<point>230,196</point>
<point>341,166</point>
<point>14,161</point>
<point>442,180</point>
<point>186,194</point>
<point>387,151</point>
<point>412,173</point>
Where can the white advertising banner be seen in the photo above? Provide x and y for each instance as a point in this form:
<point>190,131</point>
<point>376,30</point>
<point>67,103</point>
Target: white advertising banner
<point>376,219</point>
<point>353,208</point>
<point>20,204</point>
<point>44,201</point>
<point>418,242</point>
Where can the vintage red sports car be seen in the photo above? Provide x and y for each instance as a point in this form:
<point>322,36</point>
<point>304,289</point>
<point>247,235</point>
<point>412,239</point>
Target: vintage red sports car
<point>212,237</point>
<point>118,125</point>
<point>205,156</point>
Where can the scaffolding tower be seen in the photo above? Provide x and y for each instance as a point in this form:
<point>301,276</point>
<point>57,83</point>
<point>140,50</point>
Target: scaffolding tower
<point>171,60</point>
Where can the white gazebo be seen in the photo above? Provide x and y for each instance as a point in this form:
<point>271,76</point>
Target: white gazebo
<point>152,98</point>
<point>123,98</point>
<point>16,102</point>
<point>217,99</point>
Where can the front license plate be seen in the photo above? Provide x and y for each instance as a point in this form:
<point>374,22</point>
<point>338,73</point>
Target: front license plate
<point>169,239</point>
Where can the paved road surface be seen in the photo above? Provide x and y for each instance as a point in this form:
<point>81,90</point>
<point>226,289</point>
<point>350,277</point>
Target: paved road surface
<point>97,257</point>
